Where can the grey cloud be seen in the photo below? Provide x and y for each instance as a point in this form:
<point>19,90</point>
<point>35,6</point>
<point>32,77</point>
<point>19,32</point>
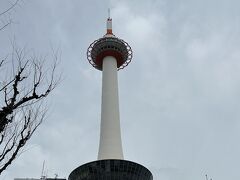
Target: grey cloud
<point>179,98</point>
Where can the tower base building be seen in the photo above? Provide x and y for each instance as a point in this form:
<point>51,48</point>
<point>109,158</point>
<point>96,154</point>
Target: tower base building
<point>111,169</point>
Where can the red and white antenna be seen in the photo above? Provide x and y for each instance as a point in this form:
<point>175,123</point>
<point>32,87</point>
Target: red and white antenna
<point>109,23</point>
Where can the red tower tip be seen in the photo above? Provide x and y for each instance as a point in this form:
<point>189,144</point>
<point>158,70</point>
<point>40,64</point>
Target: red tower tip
<point>109,24</point>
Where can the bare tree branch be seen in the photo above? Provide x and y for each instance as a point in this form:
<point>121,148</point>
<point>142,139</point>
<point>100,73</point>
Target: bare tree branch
<point>21,112</point>
<point>2,61</point>
<point>9,8</point>
<point>5,25</point>
<point>25,82</point>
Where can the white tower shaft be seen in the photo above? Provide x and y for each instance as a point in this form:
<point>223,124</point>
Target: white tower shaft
<point>110,134</point>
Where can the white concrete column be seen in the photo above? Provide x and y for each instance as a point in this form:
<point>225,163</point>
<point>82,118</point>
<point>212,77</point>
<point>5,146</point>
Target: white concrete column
<point>110,135</point>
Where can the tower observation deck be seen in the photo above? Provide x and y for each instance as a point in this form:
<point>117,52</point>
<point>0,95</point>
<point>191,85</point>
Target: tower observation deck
<point>110,54</point>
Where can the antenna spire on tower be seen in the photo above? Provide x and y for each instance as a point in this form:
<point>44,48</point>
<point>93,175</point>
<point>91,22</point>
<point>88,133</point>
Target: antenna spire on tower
<point>109,13</point>
<point>109,24</point>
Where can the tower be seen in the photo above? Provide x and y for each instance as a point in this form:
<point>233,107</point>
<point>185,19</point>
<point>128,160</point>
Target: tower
<point>110,54</point>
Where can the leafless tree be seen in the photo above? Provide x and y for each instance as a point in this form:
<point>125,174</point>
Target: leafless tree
<point>25,81</point>
<point>22,91</point>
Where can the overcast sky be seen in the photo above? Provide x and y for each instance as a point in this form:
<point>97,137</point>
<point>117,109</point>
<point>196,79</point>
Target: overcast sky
<point>179,98</point>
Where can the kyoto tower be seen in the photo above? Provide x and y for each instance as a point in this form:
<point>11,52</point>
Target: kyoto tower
<point>110,54</point>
